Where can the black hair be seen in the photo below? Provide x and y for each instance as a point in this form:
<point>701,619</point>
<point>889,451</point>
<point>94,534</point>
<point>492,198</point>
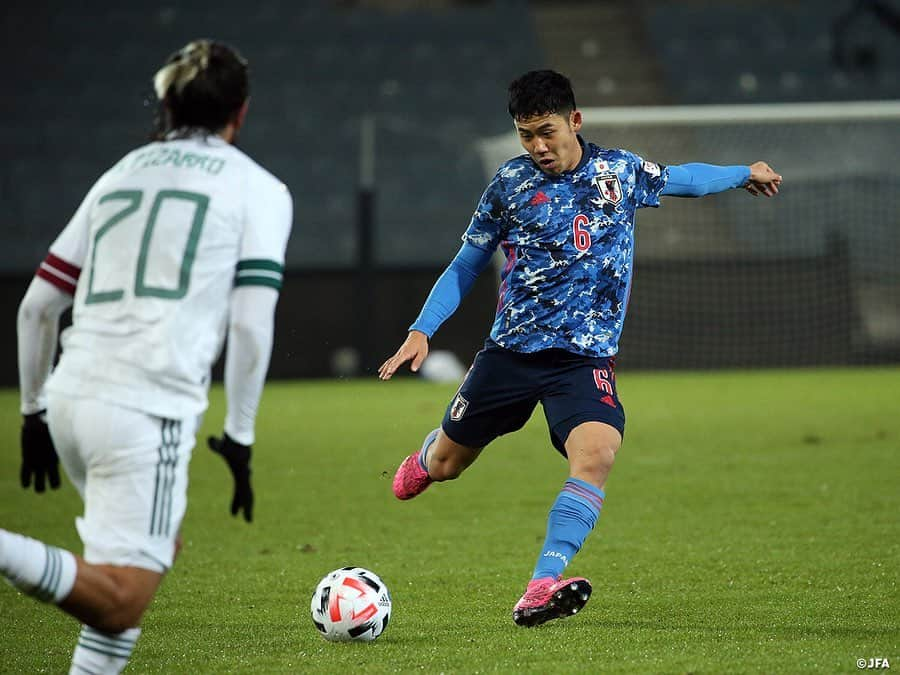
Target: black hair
<point>201,86</point>
<point>539,92</point>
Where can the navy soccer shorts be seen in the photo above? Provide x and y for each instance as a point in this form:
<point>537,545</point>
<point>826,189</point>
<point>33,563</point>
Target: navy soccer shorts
<point>503,387</point>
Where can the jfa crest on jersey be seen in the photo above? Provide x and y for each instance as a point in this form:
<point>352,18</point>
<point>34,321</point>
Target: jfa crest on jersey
<point>609,187</point>
<point>569,247</point>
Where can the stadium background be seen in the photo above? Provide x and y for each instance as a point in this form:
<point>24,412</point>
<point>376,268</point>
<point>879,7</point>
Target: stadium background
<point>809,278</point>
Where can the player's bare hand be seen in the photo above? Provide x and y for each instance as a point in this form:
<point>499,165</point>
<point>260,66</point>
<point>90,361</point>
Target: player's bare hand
<point>414,348</point>
<point>763,180</point>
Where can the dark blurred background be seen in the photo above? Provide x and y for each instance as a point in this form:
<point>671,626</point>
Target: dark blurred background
<point>809,279</point>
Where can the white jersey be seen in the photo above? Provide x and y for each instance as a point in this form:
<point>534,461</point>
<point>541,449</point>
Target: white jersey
<point>152,255</point>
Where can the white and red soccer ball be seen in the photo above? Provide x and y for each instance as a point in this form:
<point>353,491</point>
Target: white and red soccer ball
<point>351,603</point>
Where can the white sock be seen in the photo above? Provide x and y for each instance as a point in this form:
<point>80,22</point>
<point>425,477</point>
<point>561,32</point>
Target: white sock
<point>43,572</point>
<point>102,653</point>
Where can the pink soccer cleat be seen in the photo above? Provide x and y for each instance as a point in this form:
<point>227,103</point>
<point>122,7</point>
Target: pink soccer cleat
<point>410,479</point>
<point>548,598</point>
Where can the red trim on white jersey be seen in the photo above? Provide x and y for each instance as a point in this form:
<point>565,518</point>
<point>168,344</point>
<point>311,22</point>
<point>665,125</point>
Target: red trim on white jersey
<point>62,274</point>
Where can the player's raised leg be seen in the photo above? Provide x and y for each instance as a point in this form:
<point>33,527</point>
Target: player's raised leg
<point>439,459</point>
<point>496,397</point>
<point>591,448</point>
<point>41,571</point>
<point>111,598</point>
<point>109,601</point>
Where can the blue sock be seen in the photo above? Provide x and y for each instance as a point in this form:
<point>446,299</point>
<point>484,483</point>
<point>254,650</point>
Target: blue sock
<point>423,453</point>
<point>571,519</point>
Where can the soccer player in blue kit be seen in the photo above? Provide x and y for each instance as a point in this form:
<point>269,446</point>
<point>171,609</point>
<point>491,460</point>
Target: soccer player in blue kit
<point>563,215</point>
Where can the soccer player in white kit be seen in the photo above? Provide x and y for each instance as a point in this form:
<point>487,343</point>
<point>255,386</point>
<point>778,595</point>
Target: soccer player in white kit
<point>179,243</point>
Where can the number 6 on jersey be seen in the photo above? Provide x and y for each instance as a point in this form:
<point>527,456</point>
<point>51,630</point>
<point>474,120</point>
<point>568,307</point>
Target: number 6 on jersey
<point>580,233</point>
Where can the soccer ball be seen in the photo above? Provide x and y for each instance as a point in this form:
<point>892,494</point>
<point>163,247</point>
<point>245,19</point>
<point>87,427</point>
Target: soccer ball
<point>351,603</point>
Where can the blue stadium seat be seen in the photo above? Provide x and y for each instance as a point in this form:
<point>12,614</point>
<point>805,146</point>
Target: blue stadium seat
<point>795,47</point>
<point>436,81</point>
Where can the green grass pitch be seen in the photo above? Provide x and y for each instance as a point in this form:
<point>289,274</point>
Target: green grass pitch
<point>752,524</point>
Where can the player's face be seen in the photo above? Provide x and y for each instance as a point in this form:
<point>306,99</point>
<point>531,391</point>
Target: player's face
<point>551,140</point>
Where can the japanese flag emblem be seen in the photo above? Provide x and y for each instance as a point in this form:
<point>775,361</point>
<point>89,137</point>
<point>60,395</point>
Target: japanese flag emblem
<point>609,186</point>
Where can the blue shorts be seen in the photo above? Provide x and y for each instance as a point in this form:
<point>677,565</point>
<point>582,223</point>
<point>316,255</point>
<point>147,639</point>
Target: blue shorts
<point>503,387</point>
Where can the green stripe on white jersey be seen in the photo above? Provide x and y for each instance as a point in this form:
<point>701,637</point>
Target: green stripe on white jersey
<point>259,272</point>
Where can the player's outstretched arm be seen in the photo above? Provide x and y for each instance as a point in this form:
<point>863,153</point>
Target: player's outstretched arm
<point>445,296</point>
<point>763,180</point>
<point>697,179</point>
<point>414,348</point>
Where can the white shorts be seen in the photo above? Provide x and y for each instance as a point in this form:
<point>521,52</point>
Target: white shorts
<point>131,470</point>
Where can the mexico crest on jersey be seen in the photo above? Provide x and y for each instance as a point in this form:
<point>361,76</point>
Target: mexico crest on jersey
<point>458,409</point>
<point>609,186</point>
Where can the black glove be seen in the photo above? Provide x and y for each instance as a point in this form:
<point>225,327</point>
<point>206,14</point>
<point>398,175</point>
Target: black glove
<point>38,454</point>
<point>238,458</point>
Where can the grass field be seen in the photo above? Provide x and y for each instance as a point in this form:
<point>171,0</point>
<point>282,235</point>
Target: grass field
<point>752,524</point>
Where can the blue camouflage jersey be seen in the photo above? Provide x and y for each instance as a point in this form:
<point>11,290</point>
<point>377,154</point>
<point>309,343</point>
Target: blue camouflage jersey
<point>569,246</point>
